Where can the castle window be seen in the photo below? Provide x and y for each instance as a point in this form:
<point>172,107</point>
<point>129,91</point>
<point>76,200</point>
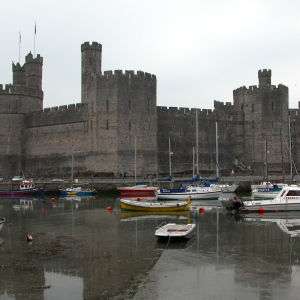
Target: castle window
<point>107,124</point>
<point>129,104</point>
<point>106,104</point>
<point>174,121</point>
<point>252,107</point>
<point>272,106</point>
<point>129,127</point>
<point>91,125</point>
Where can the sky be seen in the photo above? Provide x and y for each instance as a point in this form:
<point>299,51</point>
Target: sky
<point>200,51</point>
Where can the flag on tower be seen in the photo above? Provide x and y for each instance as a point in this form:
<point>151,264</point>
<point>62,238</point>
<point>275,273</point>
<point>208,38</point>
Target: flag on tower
<point>34,28</point>
<point>20,36</point>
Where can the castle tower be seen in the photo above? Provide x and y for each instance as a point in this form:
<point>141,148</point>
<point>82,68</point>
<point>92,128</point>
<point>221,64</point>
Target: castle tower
<point>91,55</point>
<point>264,78</point>
<point>33,71</point>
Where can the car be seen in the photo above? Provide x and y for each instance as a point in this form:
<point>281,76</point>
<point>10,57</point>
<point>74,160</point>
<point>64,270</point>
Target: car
<point>17,178</point>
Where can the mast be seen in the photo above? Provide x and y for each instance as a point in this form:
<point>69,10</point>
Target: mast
<point>170,154</point>
<point>72,167</point>
<point>197,160</point>
<point>291,158</point>
<point>217,152</point>
<point>281,155</point>
<point>266,158</point>
<point>135,158</point>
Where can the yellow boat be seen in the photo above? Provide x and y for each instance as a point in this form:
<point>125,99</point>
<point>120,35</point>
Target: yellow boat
<point>154,206</point>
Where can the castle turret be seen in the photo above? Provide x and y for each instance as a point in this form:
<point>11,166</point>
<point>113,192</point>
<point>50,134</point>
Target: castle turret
<point>33,69</point>
<point>264,77</point>
<point>18,74</point>
<point>90,68</point>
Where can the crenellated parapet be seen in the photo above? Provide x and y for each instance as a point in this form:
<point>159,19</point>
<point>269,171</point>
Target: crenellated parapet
<point>30,59</point>
<point>128,73</point>
<point>228,106</point>
<point>93,46</point>
<point>20,90</point>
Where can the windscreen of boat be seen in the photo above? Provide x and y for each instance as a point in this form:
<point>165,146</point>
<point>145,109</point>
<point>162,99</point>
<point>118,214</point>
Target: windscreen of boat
<point>293,193</point>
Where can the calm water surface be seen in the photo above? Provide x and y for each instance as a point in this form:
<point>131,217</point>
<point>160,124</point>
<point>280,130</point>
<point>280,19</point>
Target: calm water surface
<point>82,251</point>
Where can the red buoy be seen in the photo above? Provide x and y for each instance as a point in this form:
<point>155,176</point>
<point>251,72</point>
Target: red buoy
<point>261,209</point>
<point>109,208</point>
<point>43,209</point>
<point>52,200</point>
<point>201,209</point>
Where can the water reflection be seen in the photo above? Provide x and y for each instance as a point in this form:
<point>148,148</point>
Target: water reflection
<point>78,244</point>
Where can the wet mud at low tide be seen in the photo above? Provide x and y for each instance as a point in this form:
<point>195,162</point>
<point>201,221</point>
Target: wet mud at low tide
<point>80,250</point>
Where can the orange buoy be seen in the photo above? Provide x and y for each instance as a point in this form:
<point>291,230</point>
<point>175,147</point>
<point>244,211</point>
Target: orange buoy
<point>52,200</point>
<point>43,209</point>
<point>109,208</point>
<point>261,209</point>
<point>201,208</point>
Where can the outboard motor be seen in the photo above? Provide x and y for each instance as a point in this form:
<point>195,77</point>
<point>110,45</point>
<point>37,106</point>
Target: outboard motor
<point>235,205</point>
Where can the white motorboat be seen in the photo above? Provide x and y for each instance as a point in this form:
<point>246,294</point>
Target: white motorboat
<point>266,190</point>
<point>286,200</point>
<point>225,187</point>
<point>189,191</point>
<point>175,231</point>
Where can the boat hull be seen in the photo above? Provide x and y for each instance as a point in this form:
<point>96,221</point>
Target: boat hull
<point>269,206</point>
<point>153,206</point>
<point>23,192</point>
<point>137,190</point>
<point>191,195</point>
<point>176,231</point>
<point>76,193</point>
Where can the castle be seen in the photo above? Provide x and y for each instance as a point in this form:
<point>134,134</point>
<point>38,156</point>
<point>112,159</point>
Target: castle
<point>118,127</point>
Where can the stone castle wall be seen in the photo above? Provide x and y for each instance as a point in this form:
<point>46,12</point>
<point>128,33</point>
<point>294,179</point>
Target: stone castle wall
<point>119,123</point>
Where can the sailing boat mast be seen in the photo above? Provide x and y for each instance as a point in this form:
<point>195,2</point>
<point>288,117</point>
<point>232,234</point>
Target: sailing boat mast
<point>170,154</point>
<point>217,151</point>
<point>135,158</point>
<point>197,142</point>
<point>72,168</point>
<point>266,158</point>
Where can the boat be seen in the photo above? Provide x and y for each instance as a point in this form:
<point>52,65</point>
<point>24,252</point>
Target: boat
<point>192,191</point>
<point>226,187</point>
<point>139,189</point>
<point>174,231</point>
<point>2,220</point>
<point>287,200</point>
<point>26,187</point>
<point>266,190</point>
<point>75,190</point>
<point>136,205</point>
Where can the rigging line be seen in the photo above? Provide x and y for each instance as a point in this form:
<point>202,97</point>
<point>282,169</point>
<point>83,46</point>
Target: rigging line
<point>126,164</point>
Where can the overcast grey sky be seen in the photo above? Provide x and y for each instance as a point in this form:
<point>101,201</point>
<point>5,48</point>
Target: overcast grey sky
<point>200,50</point>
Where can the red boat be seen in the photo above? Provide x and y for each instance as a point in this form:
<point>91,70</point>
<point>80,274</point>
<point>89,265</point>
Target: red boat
<point>138,190</point>
<point>27,187</point>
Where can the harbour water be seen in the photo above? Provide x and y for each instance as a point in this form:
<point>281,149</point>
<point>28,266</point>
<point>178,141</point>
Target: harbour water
<point>80,250</point>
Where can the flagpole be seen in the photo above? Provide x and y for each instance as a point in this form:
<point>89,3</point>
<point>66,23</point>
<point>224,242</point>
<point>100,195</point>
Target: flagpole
<point>19,43</point>
<point>34,39</point>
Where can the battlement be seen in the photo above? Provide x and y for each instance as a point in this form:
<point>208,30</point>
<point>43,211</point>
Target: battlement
<point>93,46</point>
<point>128,73</point>
<point>221,105</point>
<point>11,89</point>
<point>29,59</point>
<point>17,67</point>
<point>264,73</point>
<point>77,106</point>
<point>243,89</point>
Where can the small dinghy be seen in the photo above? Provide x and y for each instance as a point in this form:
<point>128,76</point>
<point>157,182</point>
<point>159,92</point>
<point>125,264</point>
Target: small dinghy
<point>175,231</point>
